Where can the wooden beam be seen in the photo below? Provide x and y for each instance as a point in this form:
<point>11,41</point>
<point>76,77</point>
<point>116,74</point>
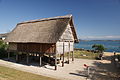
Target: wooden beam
<point>73,55</point>
<point>69,53</point>
<point>8,56</point>
<point>49,58</point>
<point>63,53</point>
<point>60,56</point>
<point>16,56</point>
<point>55,61</point>
<point>40,59</point>
<point>65,40</point>
<point>36,54</point>
<point>32,56</point>
<point>55,56</point>
<point>27,59</point>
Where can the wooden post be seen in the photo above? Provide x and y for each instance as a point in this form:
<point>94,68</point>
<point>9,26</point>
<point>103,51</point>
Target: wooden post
<point>73,55</point>
<point>33,56</point>
<point>40,59</point>
<point>27,60</point>
<point>8,56</point>
<point>16,56</point>
<point>63,54</point>
<point>55,61</point>
<point>69,53</point>
<point>49,59</point>
<point>60,56</point>
<point>36,54</point>
<point>55,55</point>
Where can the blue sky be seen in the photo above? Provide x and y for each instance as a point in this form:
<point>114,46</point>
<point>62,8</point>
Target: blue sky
<point>93,19</point>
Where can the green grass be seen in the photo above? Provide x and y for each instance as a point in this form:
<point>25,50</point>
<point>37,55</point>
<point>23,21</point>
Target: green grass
<point>13,74</point>
<point>85,54</point>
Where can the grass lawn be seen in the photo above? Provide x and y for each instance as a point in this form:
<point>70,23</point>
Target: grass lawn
<point>84,54</point>
<point>13,74</point>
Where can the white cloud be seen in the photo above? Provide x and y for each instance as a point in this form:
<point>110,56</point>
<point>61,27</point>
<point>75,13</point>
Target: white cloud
<point>100,37</point>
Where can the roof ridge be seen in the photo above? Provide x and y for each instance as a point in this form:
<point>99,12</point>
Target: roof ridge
<point>46,19</point>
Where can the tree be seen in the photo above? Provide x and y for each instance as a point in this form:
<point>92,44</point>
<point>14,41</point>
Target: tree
<point>3,47</point>
<point>99,47</point>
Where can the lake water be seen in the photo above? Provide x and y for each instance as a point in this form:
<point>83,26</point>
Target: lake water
<point>110,45</point>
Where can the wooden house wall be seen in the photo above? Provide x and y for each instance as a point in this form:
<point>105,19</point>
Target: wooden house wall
<point>71,46</point>
<point>42,48</point>
<point>67,35</point>
<point>12,46</point>
<point>34,47</point>
<point>59,47</point>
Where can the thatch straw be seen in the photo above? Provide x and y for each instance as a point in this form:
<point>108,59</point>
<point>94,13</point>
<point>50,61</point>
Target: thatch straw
<point>47,30</point>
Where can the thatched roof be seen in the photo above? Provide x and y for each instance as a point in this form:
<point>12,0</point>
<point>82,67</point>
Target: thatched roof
<point>47,30</point>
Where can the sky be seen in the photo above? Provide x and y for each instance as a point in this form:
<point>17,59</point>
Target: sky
<point>93,19</point>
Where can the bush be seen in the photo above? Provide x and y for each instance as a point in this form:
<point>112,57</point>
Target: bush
<point>99,47</point>
<point>3,49</point>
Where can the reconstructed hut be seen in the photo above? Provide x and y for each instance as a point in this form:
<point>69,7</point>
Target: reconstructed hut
<point>50,36</point>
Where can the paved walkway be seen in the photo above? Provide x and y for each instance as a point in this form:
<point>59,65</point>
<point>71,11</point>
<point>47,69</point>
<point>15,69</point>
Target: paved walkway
<point>68,72</point>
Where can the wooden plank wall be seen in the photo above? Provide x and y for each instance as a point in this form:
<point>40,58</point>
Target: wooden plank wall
<point>36,47</point>
<point>12,46</point>
<point>59,47</point>
<point>68,34</point>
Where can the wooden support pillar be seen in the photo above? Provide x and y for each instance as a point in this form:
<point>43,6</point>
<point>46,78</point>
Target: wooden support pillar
<point>40,56</point>
<point>69,53</point>
<point>73,55</point>
<point>33,56</point>
<point>49,59</point>
<point>60,56</point>
<point>8,56</point>
<point>16,56</point>
<point>55,61</point>
<point>27,59</point>
<point>55,56</point>
<point>63,54</point>
<point>36,54</point>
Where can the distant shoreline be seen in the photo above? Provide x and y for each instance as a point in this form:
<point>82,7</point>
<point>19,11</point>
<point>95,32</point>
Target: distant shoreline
<point>92,50</point>
<point>98,40</point>
<point>110,45</point>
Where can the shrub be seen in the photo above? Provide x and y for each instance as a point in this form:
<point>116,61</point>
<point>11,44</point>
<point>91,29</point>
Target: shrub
<point>99,47</point>
<point>3,49</point>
